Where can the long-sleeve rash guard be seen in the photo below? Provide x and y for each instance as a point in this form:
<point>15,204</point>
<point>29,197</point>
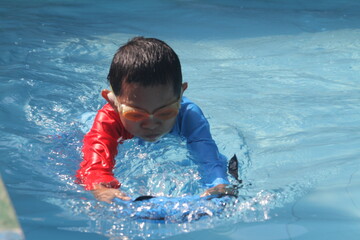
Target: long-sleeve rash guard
<point>100,146</point>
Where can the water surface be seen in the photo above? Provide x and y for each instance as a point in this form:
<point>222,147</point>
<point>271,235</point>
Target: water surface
<point>278,81</point>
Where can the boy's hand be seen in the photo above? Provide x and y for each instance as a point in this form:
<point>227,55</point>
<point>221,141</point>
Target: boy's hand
<point>223,189</point>
<point>105,194</point>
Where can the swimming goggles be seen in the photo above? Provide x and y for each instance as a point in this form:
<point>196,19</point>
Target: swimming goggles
<point>136,114</point>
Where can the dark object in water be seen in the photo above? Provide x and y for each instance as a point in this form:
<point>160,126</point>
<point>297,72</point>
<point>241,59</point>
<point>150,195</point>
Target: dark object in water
<point>142,198</point>
<point>233,168</point>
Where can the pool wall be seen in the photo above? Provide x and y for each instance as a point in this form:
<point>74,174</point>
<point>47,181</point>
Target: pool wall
<point>9,225</point>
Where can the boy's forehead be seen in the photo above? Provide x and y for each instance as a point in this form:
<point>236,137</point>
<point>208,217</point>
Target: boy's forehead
<point>133,91</point>
<point>136,87</point>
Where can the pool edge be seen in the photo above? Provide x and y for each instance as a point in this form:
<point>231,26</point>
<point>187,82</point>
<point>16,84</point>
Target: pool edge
<point>9,225</point>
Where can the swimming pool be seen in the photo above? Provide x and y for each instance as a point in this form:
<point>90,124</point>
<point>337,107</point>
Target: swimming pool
<point>278,81</point>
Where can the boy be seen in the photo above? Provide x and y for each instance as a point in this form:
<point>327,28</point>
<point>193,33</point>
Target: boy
<point>146,101</point>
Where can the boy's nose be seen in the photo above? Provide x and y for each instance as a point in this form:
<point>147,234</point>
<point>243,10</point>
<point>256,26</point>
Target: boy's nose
<point>150,124</point>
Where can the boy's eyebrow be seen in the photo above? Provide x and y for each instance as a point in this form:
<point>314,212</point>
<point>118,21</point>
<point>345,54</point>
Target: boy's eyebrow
<point>165,105</point>
<point>172,102</point>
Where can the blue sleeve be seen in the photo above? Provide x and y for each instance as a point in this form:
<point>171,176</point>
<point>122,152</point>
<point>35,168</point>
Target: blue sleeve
<point>193,125</point>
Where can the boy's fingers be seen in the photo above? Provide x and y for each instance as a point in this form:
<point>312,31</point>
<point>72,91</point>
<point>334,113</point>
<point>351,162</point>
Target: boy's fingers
<point>107,194</point>
<point>205,194</point>
<point>106,200</point>
<point>102,197</point>
<point>122,196</point>
<point>220,189</point>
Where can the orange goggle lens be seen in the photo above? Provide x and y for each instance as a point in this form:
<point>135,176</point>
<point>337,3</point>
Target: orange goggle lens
<point>136,115</point>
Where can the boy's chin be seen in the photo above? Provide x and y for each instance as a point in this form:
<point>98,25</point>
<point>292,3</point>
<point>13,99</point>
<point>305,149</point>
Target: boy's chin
<point>151,138</point>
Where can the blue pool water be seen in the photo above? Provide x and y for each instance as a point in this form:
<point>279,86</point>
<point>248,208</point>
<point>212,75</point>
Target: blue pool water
<point>278,81</point>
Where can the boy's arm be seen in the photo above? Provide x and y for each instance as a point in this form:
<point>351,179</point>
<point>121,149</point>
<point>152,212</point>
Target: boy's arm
<point>100,149</point>
<point>195,127</point>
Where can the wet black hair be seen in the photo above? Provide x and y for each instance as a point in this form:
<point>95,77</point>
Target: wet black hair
<point>145,61</point>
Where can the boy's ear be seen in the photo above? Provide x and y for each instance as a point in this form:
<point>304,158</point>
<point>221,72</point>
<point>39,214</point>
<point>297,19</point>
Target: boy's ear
<point>110,97</point>
<point>184,86</point>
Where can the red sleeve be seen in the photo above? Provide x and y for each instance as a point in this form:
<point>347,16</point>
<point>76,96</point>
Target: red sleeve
<point>100,148</point>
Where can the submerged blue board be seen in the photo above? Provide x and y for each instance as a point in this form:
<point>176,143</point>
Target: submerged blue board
<point>174,209</point>
<point>180,209</point>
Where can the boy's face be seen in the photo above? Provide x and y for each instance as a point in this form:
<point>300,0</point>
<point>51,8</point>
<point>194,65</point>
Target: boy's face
<point>148,99</point>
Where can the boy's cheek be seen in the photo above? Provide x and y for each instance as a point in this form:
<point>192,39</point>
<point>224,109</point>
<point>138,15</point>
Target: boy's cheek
<point>131,127</point>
